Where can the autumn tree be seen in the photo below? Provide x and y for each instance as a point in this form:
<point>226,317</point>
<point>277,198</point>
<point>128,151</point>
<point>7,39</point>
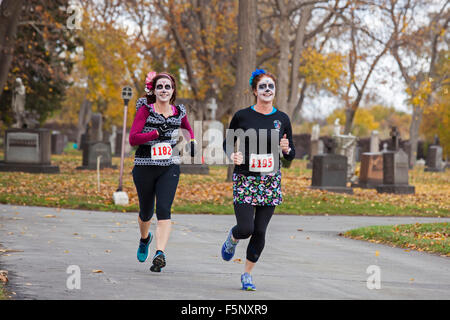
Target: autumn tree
<point>42,57</point>
<point>420,36</point>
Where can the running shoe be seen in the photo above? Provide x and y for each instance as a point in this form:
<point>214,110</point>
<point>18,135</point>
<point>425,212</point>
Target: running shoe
<point>159,261</point>
<point>142,252</point>
<point>228,248</point>
<point>247,282</point>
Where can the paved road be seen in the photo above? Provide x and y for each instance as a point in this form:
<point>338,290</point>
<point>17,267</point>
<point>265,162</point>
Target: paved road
<point>311,264</point>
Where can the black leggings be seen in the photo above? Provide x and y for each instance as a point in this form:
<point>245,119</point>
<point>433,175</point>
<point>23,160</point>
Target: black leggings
<point>156,181</point>
<point>256,226</point>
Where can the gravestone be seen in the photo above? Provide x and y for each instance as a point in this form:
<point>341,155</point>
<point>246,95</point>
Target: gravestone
<point>346,146</point>
<point>59,142</point>
<point>395,173</point>
<point>118,144</point>
<point>434,159</point>
<point>374,142</point>
<point>316,146</point>
<point>93,146</point>
<point>28,150</point>
<point>93,150</point>
<point>330,173</point>
<point>371,172</point>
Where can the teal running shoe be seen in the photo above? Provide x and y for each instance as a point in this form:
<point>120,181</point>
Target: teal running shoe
<point>228,248</point>
<point>142,252</point>
<point>159,261</point>
<point>247,282</point>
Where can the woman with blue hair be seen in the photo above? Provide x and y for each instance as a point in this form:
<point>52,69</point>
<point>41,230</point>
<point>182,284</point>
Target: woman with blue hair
<point>264,134</point>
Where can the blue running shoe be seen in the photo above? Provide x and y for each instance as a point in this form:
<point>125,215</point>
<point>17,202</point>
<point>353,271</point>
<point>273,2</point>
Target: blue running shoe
<point>247,282</point>
<point>159,261</point>
<point>142,252</point>
<point>228,248</point>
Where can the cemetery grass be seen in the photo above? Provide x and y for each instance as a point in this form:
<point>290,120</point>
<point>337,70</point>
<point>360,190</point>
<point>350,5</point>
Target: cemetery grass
<point>429,237</point>
<point>211,194</point>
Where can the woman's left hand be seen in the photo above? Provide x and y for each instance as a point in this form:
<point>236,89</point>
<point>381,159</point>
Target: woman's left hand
<point>284,144</point>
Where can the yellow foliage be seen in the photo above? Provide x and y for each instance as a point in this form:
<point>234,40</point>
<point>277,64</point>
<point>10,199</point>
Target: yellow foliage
<point>324,71</point>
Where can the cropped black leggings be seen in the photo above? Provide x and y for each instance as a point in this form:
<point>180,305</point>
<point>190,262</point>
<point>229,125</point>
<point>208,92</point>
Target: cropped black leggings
<point>252,221</point>
<point>158,182</point>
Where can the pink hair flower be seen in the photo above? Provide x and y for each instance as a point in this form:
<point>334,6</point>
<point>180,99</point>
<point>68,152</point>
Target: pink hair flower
<point>148,81</point>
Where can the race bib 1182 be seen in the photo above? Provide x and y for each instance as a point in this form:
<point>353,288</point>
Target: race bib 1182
<point>161,151</point>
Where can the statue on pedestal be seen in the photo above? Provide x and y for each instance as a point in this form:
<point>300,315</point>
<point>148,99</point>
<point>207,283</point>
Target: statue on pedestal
<point>18,104</point>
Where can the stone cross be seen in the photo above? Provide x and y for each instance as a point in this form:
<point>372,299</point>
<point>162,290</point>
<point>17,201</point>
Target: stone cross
<point>212,106</point>
<point>395,138</point>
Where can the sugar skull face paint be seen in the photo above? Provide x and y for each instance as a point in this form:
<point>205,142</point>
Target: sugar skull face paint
<point>163,90</point>
<point>266,89</point>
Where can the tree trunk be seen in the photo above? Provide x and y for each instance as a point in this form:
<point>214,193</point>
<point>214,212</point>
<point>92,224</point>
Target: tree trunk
<point>84,116</point>
<point>283,64</point>
<point>305,16</point>
<point>414,134</point>
<point>246,59</point>
<point>349,116</point>
<point>9,13</point>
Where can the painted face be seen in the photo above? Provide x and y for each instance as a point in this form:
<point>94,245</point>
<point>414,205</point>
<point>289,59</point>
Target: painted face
<point>266,89</point>
<point>163,89</point>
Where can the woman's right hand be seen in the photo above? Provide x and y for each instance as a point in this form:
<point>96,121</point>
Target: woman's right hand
<point>237,158</point>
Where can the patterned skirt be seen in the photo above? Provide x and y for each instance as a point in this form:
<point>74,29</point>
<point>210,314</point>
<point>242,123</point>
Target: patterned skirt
<point>264,190</point>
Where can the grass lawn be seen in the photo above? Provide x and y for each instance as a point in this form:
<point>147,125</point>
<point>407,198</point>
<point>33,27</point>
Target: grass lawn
<point>429,237</point>
<point>3,295</point>
<point>77,189</point>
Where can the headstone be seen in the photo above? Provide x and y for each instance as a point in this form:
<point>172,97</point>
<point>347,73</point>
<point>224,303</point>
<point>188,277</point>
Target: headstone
<point>374,142</point>
<point>434,159</point>
<point>316,145</point>
<point>59,142</point>
<point>330,173</point>
<point>371,172</point>
<point>395,173</point>
<point>118,144</point>
<point>93,146</point>
<point>28,150</point>
<point>346,146</point>
<point>95,127</point>
<point>94,150</point>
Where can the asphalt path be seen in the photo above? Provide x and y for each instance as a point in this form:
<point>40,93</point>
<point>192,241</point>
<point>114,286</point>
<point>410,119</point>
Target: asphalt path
<point>304,258</point>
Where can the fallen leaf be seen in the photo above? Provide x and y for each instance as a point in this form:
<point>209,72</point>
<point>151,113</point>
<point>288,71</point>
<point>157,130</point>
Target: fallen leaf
<point>377,253</point>
<point>299,229</point>
<point>50,216</point>
<point>97,271</point>
<point>3,276</point>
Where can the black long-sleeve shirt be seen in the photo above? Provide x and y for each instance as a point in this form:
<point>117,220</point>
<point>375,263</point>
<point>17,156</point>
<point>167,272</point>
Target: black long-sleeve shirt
<point>255,128</point>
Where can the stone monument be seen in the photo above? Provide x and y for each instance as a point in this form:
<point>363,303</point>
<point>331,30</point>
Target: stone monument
<point>371,172</point>
<point>395,173</point>
<point>330,173</point>
<point>316,146</point>
<point>346,146</point>
<point>27,149</point>
<point>59,142</point>
<point>434,157</point>
<point>93,146</point>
